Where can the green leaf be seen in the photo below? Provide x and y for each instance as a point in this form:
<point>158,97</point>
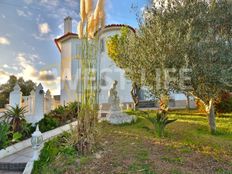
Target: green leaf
<point>16,137</point>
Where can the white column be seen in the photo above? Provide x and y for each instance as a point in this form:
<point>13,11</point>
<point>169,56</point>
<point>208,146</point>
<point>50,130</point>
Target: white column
<point>39,103</point>
<point>16,96</point>
<point>31,103</point>
<point>47,102</point>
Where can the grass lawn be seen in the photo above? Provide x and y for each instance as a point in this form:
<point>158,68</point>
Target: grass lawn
<point>187,148</point>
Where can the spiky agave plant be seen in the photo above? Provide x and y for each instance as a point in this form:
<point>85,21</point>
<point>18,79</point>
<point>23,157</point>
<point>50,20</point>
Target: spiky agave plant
<point>15,115</point>
<point>160,122</point>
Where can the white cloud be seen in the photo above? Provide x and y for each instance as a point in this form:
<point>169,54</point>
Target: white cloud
<point>44,32</point>
<point>5,66</point>
<point>53,86</point>
<point>43,37</point>
<point>46,75</point>
<point>23,13</point>
<point>4,76</point>
<point>4,41</point>
<point>53,3</point>
<point>28,1</point>
<point>142,9</point>
<point>10,67</point>
<point>72,3</point>
<point>3,16</point>
<point>26,66</point>
<point>63,12</point>
<point>48,78</point>
<point>15,68</point>
<point>61,26</point>
<point>42,63</point>
<point>44,28</point>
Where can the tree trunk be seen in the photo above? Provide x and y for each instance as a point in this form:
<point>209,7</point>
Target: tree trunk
<point>135,95</point>
<point>188,102</point>
<point>164,103</point>
<point>211,117</point>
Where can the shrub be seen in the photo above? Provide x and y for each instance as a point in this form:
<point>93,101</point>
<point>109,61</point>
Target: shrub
<point>59,116</point>
<point>65,113</point>
<point>51,151</point>
<point>73,109</point>
<point>4,133</point>
<point>26,129</point>
<point>8,136</point>
<point>224,103</point>
<point>48,123</point>
<point>160,122</point>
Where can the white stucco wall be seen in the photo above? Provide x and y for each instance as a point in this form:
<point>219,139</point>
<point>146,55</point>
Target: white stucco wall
<point>69,70</point>
<point>110,72</point>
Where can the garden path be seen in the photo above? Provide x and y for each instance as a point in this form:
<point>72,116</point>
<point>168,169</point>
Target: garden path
<point>22,156</point>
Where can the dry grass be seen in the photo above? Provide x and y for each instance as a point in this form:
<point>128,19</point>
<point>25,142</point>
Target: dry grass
<point>187,148</point>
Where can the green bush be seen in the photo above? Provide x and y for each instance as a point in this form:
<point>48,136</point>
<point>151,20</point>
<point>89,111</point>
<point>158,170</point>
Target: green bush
<point>23,130</point>
<point>59,116</point>
<point>26,130</point>
<point>8,136</point>
<point>73,109</point>
<point>224,103</point>
<point>65,113</point>
<point>50,152</point>
<point>4,133</point>
<point>160,122</point>
<point>48,123</point>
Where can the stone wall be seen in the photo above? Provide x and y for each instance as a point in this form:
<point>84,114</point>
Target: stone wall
<point>37,104</point>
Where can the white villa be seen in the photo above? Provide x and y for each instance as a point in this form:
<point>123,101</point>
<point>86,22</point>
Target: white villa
<point>69,47</point>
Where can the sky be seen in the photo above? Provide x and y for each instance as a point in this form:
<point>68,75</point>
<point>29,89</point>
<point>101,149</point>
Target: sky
<point>28,29</point>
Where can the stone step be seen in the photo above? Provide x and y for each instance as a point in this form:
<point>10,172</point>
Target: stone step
<point>9,172</point>
<point>10,167</point>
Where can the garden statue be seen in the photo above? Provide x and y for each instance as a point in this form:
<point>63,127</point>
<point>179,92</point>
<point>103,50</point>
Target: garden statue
<point>114,100</point>
<point>116,116</point>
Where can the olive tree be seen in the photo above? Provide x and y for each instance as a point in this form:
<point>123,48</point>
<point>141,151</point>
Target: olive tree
<point>176,39</point>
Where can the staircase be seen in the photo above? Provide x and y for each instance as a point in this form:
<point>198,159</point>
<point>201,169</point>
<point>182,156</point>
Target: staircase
<point>14,168</point>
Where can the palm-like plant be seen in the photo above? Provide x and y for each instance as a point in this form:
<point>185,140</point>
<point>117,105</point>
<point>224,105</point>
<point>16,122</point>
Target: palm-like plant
<point>15,115</point>
<point>160,122</point>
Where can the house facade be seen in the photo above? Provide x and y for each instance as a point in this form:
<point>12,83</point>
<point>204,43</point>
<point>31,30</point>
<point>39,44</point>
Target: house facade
<point>69,46</point>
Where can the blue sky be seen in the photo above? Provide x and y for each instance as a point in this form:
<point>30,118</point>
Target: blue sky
<point>28,29</point>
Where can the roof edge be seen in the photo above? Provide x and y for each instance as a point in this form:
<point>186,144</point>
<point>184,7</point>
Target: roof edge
<point>63,37</point>
<point>114,25</point>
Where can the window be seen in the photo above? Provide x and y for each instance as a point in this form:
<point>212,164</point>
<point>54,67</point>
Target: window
<point>102,45</point>
<point>103,79</point>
